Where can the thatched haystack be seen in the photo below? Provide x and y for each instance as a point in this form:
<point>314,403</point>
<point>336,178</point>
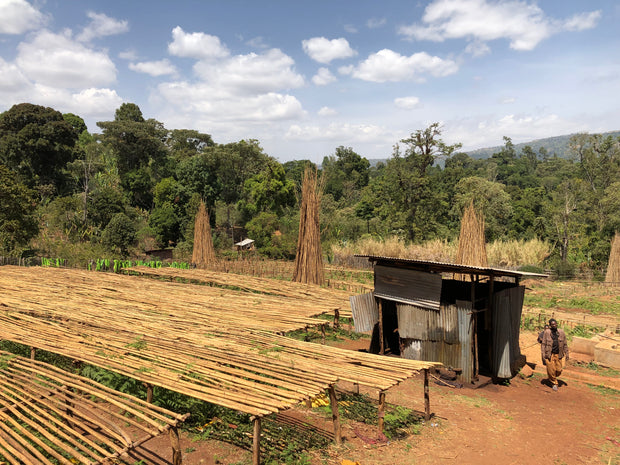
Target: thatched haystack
<point>309,266</point>
<point>472,248</point>
<point>613,267</point>
<point>203,253</point>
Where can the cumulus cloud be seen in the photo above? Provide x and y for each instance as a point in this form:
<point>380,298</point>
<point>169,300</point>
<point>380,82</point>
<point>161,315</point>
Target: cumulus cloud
<point>327,111</point>
<point>58,61</point>
<point>102,25</point>
<point>252,73</point>
<point>323,77</point>
<point>18,16</point>
<point>387,65</point>
<point>524,24</point>
<point>211,103</point>
<point>324,50</point>
<point>13,80</point>
<point>407,103</point>
<point>196,45</point>
<point>154,68</point>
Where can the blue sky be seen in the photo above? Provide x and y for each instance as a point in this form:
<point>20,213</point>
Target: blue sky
<point>306,77</point>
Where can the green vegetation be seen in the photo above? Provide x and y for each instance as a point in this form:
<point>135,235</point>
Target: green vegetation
<point>137,185</point>
<point>600,370</point>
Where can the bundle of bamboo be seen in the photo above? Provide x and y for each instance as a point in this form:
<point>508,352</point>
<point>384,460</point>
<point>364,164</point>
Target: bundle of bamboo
<point>309,258</point>
<point>203,252</point>
<point>613,267</point>
<point>472,246</point>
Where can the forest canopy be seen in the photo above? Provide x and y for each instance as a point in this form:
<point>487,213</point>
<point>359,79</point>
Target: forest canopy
<point>137,185</point>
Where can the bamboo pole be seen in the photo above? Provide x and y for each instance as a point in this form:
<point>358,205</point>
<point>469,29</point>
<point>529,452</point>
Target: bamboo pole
<point>177,455</point>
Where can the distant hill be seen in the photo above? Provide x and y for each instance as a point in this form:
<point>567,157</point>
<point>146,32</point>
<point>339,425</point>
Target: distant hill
<point>557,145</point>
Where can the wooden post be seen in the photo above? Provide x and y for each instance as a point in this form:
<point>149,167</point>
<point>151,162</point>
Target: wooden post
<point>381,411</point>
<point>33,352</point>
<point>256,442</point>
<point>381,343</point>
<point>335,415</point>
<point>336,319</point>
<point>323,334</point>
<point>177,456</point>
<point>427,397</point>
<point>356,388</point>
<point>149,393</point>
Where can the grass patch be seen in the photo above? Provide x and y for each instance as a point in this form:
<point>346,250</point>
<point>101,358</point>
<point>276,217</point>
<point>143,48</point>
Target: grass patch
<point>599,370</point>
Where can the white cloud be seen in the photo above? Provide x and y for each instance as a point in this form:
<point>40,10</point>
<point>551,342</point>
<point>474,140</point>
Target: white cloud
<point>350,133</point>
<point>507,100</point>
<point>257,42</point>
<point>477,49</point>
<point>210,103</point>
<point>523,24</point>
<point>154,68</point>
<point>13,80</point>
<point>350,28</point>
<point>18,16</point>
<point>323,77</point>
<point>582,21</point>
<point>129,54</point>
<point>196,45</point>
<point>324,50</point>
<point>327,111</point>
<point>58,61</point>
<point>102,25</point>
<point>387,65</point>
<point>251,73</point>
<point>96,102</point>
<point>476,133</point>
<point>407,103</point>
<point>374,23</point>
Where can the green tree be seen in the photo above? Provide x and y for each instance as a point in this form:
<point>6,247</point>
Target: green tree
<point>345,173</point>
<point>405,191</point>
<point>37,143</point>
<point>268,191</point>
<point>119,234</point>
<point>17,206</point>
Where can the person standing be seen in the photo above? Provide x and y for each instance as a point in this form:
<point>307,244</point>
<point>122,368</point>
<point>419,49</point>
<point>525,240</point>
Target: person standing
<point>554,351</point>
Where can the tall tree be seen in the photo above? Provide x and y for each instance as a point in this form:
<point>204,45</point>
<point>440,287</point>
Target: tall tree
<point>37,143</point>
<point>17,206</point>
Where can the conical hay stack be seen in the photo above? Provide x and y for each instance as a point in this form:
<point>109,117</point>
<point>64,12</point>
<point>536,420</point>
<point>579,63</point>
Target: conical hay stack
<point>472,249</point>
<point>613,267</point>
<point>203,253</point>
<point>309,257</point>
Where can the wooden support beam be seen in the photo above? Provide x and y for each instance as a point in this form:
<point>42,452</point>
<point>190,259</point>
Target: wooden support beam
<point>381,411</point>
<point>177,455</point>
<point>336,319</point>
<point>256,442</point>
<point>323,334</point>
<point>335,415</point>
<point>381,343</point>
<point>33,353</point>
<point>427,397</point>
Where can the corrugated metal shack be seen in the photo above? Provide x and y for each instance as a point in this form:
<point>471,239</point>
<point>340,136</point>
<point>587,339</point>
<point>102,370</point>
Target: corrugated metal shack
<point>465,317</point>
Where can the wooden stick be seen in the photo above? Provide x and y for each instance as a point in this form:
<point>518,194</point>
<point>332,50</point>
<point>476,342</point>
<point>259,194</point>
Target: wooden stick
<point>381,412</point>
<point>333,401</point>
<point>427,397</point>
<point>256,442</point>
<point>177,456</point>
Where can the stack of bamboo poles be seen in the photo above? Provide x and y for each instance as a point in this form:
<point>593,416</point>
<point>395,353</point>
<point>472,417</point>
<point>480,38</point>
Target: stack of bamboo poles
<point>613,267</point>
<point>309,257</point>
<point>50,416</point>
<point>472,249</point>
<point>142,329</point>
<point>322,297</point>
<point>204,252</point>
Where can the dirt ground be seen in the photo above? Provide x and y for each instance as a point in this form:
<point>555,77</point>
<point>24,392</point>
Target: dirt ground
<point>523,422</point>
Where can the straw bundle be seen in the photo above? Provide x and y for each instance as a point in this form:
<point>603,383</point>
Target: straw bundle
<point>613,268</point>
<point>309,258</point>
<point>472,247</point>
<point>203,252</point>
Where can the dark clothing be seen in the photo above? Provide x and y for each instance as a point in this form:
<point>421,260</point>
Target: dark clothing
<point>555,347</point>
<point>546,347</point>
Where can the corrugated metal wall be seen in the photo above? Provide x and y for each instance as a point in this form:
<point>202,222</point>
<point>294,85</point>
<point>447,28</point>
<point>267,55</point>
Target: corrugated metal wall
<point>365,312</point>
<point>444,336</point>
<point>506,322</point>
<point>408,286</point>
